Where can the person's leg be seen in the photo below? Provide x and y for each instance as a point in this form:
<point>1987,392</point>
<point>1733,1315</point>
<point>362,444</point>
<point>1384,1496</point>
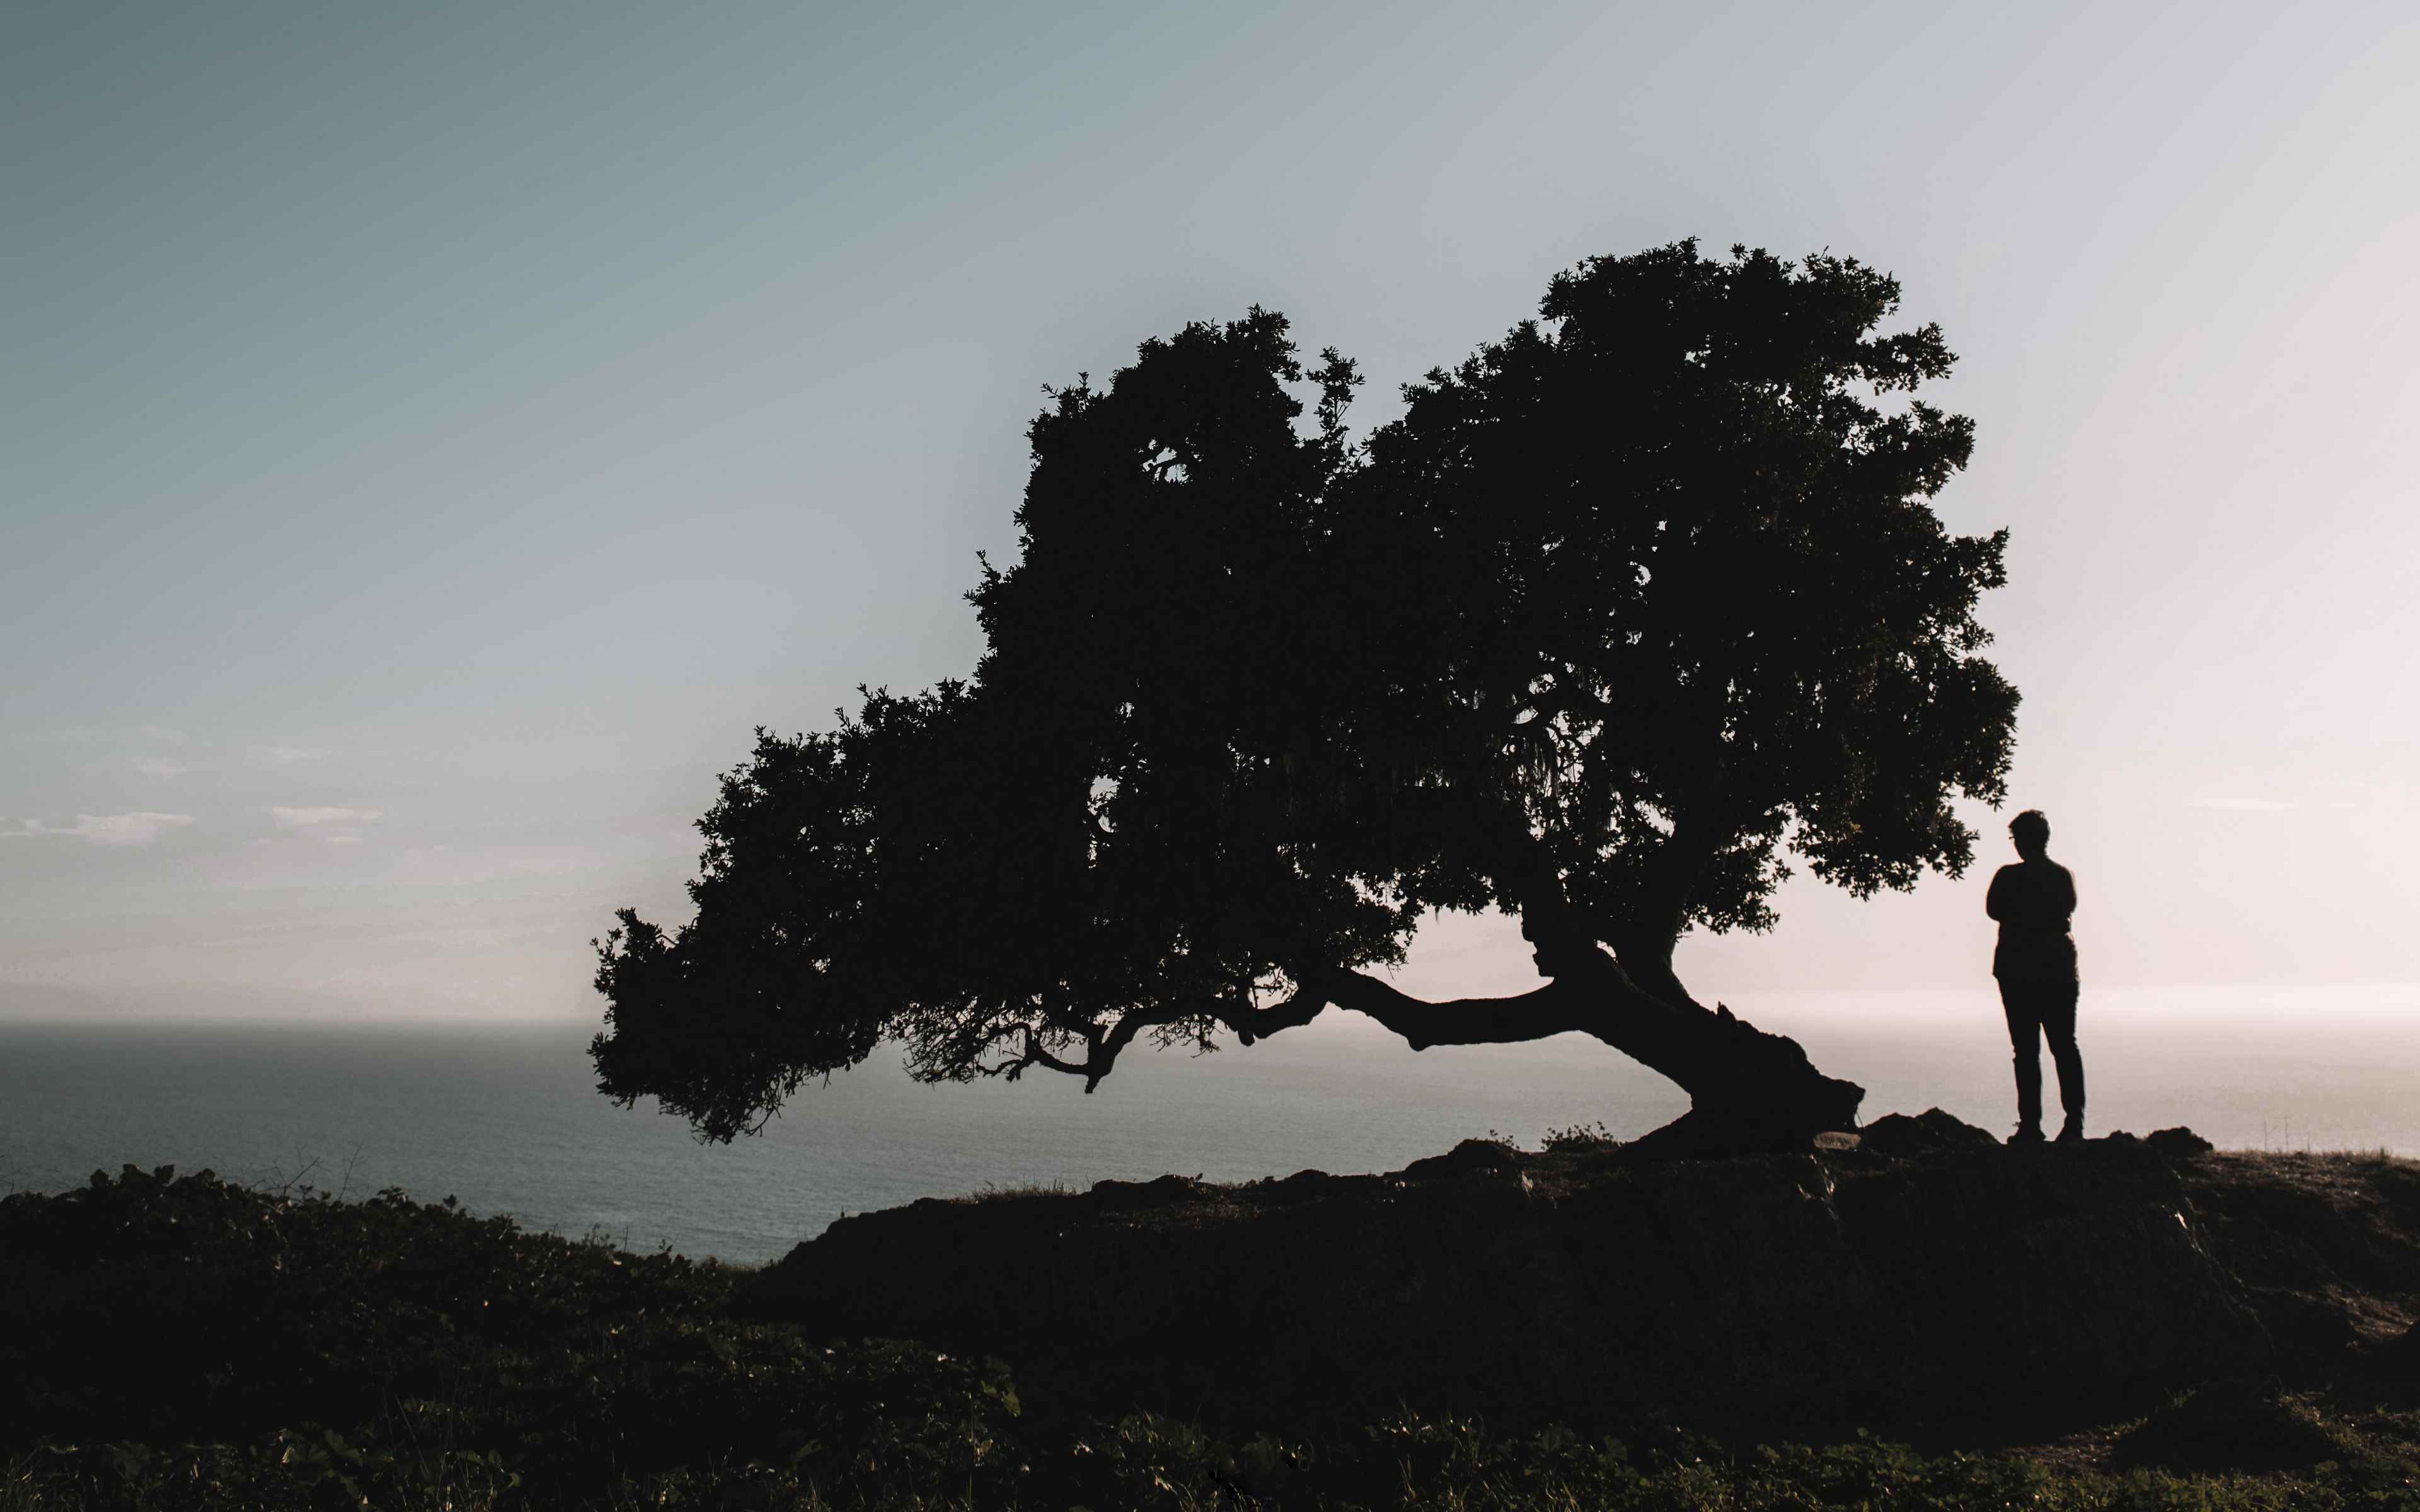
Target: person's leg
<point>2025,1039</point>
<point>2058,1026</point>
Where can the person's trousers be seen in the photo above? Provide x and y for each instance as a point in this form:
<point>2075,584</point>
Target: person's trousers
<point>2040,1011</point>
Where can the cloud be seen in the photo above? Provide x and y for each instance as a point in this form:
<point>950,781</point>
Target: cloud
<point>154,766</point>
<point>138,828</point>
<point>2243,804</point>
<point>303,818</point>
<point>288,755</point>
<point>343,840</point>
<point>93,735</point>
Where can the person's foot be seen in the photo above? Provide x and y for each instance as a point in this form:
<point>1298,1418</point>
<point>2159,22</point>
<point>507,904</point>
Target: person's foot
<point>2072,1134</point>
<point>2029,1134</point>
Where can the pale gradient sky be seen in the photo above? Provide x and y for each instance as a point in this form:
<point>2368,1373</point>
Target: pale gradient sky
<point>436,434</point>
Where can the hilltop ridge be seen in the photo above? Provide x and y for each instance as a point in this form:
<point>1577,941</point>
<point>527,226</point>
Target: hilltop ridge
<point>1918,1278</point>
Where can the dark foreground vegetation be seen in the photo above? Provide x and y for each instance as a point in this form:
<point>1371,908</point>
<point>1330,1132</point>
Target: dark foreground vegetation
<point>173,1341</point>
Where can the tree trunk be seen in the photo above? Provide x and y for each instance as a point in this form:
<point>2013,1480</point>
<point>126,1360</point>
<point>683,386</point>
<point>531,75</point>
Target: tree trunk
<point>1647,961</point>
<point>1747,1089</point>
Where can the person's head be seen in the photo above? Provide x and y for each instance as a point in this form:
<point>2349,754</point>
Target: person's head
<point>2031,832</point>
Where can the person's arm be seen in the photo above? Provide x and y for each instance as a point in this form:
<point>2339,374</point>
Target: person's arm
<point>2067,890</point>
<point>1994,899</point>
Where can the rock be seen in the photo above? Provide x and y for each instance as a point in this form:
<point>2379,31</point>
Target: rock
<point>1159,1191</point>
<point>1472,1156</point>
<point>1308,1186</point>
<point>1929,1132</point>
<point>1781,1287</point>
<point>2178,1143</point>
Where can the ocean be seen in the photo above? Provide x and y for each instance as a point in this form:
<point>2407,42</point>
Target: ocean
<point>506,1118</point>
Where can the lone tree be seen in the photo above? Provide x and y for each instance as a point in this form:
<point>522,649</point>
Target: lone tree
<point>1623,610</point>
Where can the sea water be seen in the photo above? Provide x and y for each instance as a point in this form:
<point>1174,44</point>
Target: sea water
<point>506,1117</point>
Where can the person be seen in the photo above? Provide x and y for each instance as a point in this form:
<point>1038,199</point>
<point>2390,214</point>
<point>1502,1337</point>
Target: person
<point>2035,963</point>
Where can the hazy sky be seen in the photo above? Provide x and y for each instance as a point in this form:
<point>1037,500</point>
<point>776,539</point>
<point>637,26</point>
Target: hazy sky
<point>436,434</point>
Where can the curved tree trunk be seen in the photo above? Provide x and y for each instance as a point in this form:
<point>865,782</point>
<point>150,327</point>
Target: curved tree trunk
<point>1747,1089</point>
<point>1647,961</point>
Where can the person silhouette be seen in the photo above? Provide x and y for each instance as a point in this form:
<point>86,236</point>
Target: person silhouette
<point>2035,963</point>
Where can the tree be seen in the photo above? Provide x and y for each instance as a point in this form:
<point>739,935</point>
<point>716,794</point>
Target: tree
<point>1625,609</point>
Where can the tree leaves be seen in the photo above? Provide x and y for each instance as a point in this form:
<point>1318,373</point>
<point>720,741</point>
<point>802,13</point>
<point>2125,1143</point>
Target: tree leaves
<point>1626,607</point>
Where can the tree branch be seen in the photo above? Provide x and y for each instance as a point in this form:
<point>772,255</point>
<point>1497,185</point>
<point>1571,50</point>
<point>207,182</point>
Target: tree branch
<point>1259,1022</point>
<point>1033,1055</point>
<point>1532,1015</point>
<point>1753,1078</point>
<point>1551,1008</point>
<point>1101,1049</point>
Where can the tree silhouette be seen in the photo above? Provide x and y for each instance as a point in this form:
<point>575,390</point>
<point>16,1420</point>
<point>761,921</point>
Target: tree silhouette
<point>1623,609</point>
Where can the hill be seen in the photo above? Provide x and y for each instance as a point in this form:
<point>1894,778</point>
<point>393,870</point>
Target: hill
<point>1921,1279</point>
<point>2130,1323</point>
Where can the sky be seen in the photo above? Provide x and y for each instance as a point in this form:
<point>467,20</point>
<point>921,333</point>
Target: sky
<point>436,435</point>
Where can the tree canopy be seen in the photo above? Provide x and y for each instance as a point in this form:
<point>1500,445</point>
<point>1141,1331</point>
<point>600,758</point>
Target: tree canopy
<point>1623,612</point>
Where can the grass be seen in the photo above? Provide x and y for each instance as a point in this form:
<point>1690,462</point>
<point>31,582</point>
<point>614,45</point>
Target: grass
<point>996,1191</point>
<point>1148,1462</point>
<point>188,1343</point>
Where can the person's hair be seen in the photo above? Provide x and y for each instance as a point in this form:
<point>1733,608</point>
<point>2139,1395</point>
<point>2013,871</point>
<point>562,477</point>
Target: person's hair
<point>2029,827</point>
